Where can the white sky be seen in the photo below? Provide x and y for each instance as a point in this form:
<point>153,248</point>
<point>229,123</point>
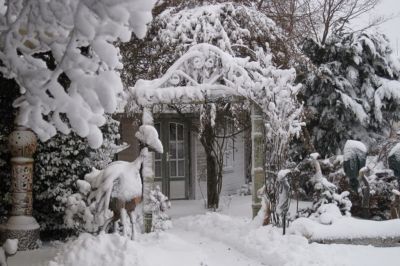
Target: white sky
<point>390,28</point>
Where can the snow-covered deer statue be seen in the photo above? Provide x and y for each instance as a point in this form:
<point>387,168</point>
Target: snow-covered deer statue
<point>119,184</point>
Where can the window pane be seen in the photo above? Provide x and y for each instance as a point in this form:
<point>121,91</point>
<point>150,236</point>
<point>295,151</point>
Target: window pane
<point>172,131</point>
<point>181,168</point>
<point>157,169</point>
<point>180,132</point>
<point>172,150</point>
<point>180,150</point>
<point>172,168</point>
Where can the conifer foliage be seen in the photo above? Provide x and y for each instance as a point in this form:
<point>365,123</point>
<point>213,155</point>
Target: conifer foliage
<point>59,163</point>
<point>353,91</point>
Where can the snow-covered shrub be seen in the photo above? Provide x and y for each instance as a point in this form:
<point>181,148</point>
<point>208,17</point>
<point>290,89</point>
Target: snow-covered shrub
<point>59,163</point>
<point>325,192</point>
<point>381,182</point>
<point>380,178</point>
<point>159,205</point>
<point>353,90</point>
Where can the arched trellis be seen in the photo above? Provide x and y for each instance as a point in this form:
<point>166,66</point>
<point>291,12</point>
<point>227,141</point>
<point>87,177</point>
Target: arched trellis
<point>207,72</point>
<point>203,71</point>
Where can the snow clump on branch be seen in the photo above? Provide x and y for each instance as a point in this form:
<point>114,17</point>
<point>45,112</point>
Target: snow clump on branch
<point>63,57</point>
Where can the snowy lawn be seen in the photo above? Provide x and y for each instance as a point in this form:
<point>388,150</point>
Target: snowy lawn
<point>213,239</point>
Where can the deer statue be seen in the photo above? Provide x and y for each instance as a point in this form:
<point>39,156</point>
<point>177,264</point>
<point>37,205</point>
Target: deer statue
<point>112,194</point>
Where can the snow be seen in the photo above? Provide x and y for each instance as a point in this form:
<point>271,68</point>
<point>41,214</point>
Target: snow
<point>355,107</point>
<point>214,239</point>
<point>395,151</point>
<point>329,213</point>
<point>354,148</point>
<point>388,90</point>
<point>346,228</point>
<point>61,29</point>
<point>22,223</point>
<point>147,134</point>
<point>314,155</point>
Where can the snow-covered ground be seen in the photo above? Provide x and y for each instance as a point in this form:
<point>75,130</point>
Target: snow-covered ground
<point>228,237</point>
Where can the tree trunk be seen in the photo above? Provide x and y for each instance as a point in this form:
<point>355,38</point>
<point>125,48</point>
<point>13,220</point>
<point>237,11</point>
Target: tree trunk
<point>207,139</point>
<point>212,183</point>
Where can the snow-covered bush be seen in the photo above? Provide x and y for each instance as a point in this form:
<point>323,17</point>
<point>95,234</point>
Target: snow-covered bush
<point>381,183</point>
<point>353,90</point>
<point>325,192</point>
<point>159,205</point>
<point>62,55</point>
<point>59,163</point>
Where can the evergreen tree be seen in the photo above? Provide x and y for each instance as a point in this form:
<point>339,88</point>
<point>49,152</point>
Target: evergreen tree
<point>59,163</point>
<point>7,114</point>
<point>353,90</point>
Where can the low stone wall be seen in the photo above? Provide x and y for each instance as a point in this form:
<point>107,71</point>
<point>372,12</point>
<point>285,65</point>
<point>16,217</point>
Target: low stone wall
<point>375,241</point>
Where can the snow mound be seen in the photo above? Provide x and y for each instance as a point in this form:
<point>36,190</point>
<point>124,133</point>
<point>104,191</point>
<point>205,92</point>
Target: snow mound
<point>265,244</point>
<point>112,249</point>
<point>11,246</point>
<point>345,228</point>
<point>104,249</point>
<point>328,213</point>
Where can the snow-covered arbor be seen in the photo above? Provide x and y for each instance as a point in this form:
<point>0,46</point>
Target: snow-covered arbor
<point>204,71</point>
<point>207,73</point>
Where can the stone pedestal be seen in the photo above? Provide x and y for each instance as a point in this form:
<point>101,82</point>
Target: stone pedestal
<point>21,224</point>
<point>257,156</point>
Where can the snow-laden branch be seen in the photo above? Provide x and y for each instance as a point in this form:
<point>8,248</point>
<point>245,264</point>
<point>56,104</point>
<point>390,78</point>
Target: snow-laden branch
<point>63,57</point>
